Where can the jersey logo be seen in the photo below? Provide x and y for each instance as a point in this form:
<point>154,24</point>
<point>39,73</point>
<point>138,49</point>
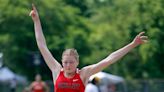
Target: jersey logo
<point>74,80</point>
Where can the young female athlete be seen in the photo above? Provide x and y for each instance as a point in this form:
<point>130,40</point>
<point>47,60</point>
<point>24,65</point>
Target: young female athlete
<point>67,78</point>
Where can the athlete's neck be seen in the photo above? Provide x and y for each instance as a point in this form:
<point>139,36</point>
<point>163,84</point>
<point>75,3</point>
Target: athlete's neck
<point>69,75</point>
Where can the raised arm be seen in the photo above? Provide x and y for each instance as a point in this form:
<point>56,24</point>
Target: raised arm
<point>115,56</point>
<point>40,39</point>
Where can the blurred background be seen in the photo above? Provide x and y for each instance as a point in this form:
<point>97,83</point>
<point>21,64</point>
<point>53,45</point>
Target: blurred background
<point>95,28</point>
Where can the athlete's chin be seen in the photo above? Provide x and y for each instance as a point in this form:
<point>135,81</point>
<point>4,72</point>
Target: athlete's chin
<point>68,70</point>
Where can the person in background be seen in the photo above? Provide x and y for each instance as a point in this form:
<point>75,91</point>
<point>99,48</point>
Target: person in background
<point>13,85</point>
<point>38,85</point>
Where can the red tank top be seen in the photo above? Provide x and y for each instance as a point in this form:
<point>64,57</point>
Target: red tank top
<point>38,87</point>
<point>64,84</point>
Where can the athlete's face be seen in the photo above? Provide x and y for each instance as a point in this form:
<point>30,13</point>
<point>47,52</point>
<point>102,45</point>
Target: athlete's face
<point>69,63</point>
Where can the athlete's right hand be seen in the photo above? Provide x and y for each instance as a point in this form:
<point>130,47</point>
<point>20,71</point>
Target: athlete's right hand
<point>34,13</point>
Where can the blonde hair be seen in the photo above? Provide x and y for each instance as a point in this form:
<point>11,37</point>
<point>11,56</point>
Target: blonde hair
<point>71,52</point>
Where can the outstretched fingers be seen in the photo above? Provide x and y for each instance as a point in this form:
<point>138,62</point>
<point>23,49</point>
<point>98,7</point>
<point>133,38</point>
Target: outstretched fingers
<point>33,12</point>
<point>33,7</point>
<point>144,39</point>
<point>141,38</point>
<point>141,33</point>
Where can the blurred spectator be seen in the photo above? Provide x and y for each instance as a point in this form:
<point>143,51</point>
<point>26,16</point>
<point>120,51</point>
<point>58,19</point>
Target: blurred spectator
<point>38,85</point>
<point>13,85</point>
<point>92,86</point>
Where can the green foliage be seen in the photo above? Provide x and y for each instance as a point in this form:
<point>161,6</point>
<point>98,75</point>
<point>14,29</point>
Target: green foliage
<point>95,28</point>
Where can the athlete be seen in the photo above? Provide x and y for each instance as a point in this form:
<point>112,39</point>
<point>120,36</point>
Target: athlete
<point>66,77</point>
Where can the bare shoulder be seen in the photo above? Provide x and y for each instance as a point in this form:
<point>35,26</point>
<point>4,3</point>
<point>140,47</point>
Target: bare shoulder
<point>55,74</point>
<point>84,75</point>
<point>86,71</point>
<point>83,71</point>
